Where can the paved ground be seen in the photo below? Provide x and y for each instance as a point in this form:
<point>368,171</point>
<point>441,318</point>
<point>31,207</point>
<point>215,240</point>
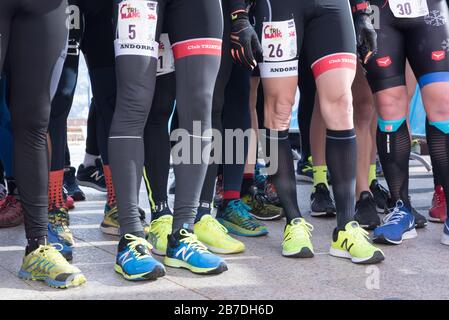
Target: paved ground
<point>416,270</point>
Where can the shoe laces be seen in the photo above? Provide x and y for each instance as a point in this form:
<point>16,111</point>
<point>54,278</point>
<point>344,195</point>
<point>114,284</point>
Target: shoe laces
<point>395,215</point>
<point>134,243</point>
<point>358,232</point>
<point>51,252</point>
<point>192,242</point>
<point>241,213</point>
<point>215,225</point>
<point>300,228</point>
<point>440,198</point>
<point>161,225</point>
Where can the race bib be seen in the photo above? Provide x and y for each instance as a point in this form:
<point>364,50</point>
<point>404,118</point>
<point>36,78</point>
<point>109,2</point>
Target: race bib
<point>409,8</point>
<point>279,41</point>
<point>136,27</point>
<point>166,61</point>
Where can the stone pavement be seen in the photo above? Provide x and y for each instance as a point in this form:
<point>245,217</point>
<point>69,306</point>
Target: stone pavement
<point>418,269</point>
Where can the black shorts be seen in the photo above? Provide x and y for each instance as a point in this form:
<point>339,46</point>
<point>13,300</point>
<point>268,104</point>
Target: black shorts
<point>424,41</point>
<point>323,29</point>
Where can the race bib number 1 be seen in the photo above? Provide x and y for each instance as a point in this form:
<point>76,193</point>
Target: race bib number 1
<point>136,27</point>
<point>166,61</point>
<point>279,41</point>
<point>409,8</point>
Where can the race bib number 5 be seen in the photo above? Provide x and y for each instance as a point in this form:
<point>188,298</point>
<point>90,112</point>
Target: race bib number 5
<point>409,8</point>
<point>279,41</point>
<point>136,28</point>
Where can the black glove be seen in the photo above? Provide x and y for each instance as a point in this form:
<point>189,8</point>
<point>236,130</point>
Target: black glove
<point>365,33</point>
<point>245,46</point>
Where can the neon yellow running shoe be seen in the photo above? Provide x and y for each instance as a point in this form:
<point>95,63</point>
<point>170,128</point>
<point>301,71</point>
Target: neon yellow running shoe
<point>47,264</point>
<point>297,242</point>
<point>353,243</point>
<point>157,235</point>
<point>110,223</point>
<point>215,236</point>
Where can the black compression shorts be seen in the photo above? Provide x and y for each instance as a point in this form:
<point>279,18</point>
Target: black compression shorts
<point>423,40</point>
<point>323,29</point>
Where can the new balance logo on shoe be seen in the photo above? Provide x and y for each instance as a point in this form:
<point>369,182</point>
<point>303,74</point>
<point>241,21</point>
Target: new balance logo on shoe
<point>345,246</point>
<point>183,252</point>
<point>96,175</point>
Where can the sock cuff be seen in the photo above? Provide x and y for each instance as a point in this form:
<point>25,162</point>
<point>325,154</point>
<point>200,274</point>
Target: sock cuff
<point>231,194</point>
<point>248,176</point>
<point>276,135</point>
<point>341,134</point>
<point>443,126</point>
<point>390,125</point>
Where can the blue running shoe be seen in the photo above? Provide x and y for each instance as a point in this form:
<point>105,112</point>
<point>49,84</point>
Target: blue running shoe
<point>59,232</point>
<point>398,225</point>
<point>134,261</point>
<point>236,217</point>
<point>184,250</point>
<point>445,237</point>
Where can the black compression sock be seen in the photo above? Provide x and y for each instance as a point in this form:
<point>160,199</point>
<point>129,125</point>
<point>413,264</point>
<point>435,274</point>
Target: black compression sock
<point>341,159</point>
<point>394,146</point>
<point>204,209</point>
<point>247,183</point>
<point>34,243</point>
<point>160,209</point>
<point>284,179</point>
<point>438,141</point>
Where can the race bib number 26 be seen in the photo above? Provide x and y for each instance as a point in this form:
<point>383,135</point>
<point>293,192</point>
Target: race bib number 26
<point>409,8</point>
<point>136,27</point>
<point>279,41</point>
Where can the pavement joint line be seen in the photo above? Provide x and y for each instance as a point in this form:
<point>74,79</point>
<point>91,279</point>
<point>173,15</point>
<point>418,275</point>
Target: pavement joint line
<point>185,287</point>
<point>91,243</point>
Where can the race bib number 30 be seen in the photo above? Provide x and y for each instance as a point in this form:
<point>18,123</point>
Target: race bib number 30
<point>136,28</point>
<point>279,41</point>
<point>409,8</point>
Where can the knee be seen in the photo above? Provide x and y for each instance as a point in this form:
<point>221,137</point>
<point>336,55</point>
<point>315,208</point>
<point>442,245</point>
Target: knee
<point>438,107</point>
<point>278,112</point>
<point>391,106</point>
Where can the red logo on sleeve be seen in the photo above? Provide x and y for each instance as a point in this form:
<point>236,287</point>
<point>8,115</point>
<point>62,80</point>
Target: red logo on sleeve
<point>384,62</point>
<point>438,55</point>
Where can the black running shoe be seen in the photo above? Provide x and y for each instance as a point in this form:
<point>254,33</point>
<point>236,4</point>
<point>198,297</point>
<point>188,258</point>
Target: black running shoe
<point>321,202</point>
<point>71,185</point>
<point>365,212</point>
<point>380,195</point>
<point>420,220</point>
<point>92,176</point>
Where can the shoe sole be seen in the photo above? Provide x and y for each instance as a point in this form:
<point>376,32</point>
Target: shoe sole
<point>12,224</point>
<point>445,239</point>
<point>74,280</point>
<point>420,225</point>
<point>159,253</point>
<point>304,253</point>
<point>369,227</point>
<point>377,257</point>
<point>380,210</point>
<point>301,178</point>
<point>157,272</point>
<point>405,236</point>
<point>223,251</point>
<point>323,214</point>
<point>90,185</point>
<point>271,218</point>
<point>436,220</point>
<point>175,263</point>
<point>112,231</point>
